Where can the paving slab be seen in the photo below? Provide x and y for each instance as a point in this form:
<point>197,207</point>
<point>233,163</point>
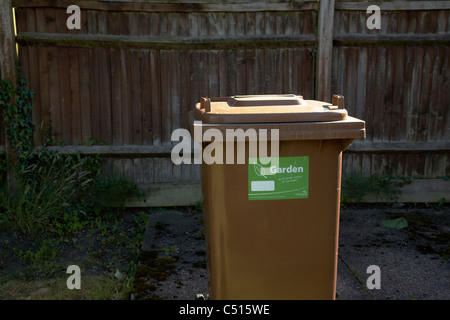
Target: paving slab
<point>413,261</point>
<point>174,240</point>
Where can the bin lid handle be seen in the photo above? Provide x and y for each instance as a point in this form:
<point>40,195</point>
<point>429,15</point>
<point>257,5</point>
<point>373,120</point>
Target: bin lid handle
<point>205,103</point>
<point>338,100</point>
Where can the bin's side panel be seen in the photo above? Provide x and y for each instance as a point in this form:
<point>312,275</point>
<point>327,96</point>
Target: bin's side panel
<point>214,213</point>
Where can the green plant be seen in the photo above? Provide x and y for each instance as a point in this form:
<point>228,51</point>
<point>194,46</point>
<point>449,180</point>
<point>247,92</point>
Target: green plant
<point>42,190</point>
<point>15,100</point>
<point>111,192</point>
<point>4,165</point>
<point>384,188</point>
<point>172,249</point>
<point>41,258</point>
<point>141,222</point>
<point>398,223</point>
<point>73,221</point>
<point>43,195</point>
<point>54,191</point>
<point>355,187</point>
<point>92,288</point>
<point>440,205</point>
<point>198,205</point>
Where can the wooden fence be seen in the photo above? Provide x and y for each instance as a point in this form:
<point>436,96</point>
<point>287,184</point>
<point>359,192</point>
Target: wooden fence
<point>134,70</point>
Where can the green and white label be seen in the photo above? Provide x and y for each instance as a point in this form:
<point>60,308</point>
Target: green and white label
<point>278,178</point>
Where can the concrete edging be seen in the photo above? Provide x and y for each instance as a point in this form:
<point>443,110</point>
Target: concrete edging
<point>168,194</point>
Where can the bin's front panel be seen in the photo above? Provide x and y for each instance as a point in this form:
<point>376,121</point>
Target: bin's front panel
<point>279,248</point>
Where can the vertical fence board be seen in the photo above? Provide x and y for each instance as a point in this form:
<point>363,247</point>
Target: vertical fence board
<point>94,91</point>
<point>85,96</point>
<point>136,98</point>
<point>53,112</point>
<point>397,93</point>
<point>74,77</point>
<point>64,105</point>
<point>164,114</point>
<point>117,78</point>
<point>146,97</point>
<point>105,96</point>
<point>44,101</point>
<point>125,99</point>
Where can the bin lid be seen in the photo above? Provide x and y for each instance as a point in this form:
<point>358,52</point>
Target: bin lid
<point>268,108</point>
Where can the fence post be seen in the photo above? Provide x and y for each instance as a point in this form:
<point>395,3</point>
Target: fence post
<point>8,68</point>
<point>325,50</point>
<point>7,42</point>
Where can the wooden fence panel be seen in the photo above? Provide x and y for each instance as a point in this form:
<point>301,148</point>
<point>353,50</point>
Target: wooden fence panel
<point>130,76</point>
<point>134,70</point>
<point>397,86</point>
<point>122,111</point>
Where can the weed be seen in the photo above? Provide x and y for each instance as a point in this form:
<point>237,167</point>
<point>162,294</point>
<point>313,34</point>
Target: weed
<point>15,100</point>
<point>43,196</point>
<point>141,222</point>
<point>440,205</point>
<point>398,223</point>
<point>355,187</point>
<point>49,183</point>
<point>172,249</point>
<point>55,199</point>
<point>198,205</point>
<point>111,192</point>
<point>93,288</point>
<point>159,268</point>
<point>40,259</point>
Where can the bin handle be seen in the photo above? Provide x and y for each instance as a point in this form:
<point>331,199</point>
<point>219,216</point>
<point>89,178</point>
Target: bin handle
<point>205,103</point>
<point>338,100</point>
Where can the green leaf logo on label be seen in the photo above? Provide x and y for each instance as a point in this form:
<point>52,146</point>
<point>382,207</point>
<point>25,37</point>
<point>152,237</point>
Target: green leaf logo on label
<point>259,170</point>
<point>278,178</point>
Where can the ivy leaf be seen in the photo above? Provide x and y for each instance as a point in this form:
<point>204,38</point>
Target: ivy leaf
<point>441,203</point>
<point>398,224</point>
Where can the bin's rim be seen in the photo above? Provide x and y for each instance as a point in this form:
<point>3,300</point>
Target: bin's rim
<point>350,128</point>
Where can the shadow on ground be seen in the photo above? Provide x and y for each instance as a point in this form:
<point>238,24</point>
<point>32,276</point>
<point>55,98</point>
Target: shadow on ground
<point>413,261</point>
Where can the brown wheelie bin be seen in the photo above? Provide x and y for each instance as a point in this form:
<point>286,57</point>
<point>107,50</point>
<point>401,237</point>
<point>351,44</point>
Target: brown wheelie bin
<point>272,226</point>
